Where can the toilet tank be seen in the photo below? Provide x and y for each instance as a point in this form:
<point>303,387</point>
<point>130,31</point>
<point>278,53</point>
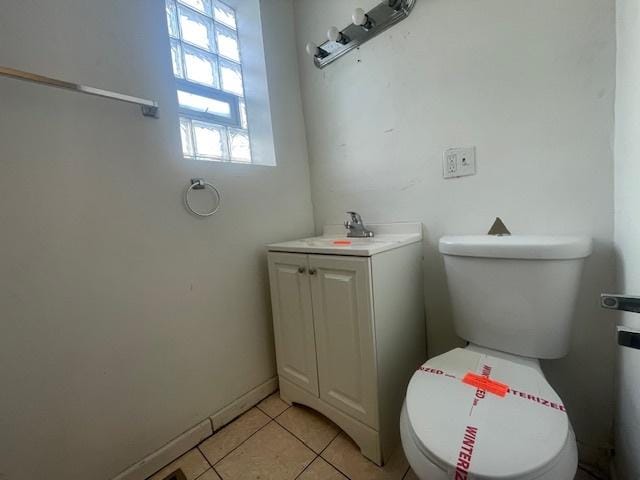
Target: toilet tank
<point>515,293</point>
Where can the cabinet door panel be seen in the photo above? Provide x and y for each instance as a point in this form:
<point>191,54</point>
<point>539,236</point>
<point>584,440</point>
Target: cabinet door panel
<point>293,320</point>
<point>343,319</point>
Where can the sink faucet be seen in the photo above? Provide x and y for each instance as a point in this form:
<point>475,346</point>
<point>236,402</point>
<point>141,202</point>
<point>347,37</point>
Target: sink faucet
<point>355,227</point>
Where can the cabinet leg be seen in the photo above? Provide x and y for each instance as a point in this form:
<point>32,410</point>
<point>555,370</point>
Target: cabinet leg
<point>372,452</point>
<point>284,396</point>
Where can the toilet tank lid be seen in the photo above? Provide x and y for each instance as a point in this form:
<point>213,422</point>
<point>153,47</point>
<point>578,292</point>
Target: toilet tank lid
<point>517,246</point>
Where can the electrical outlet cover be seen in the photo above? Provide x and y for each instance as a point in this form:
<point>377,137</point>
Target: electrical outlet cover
<point>459,162</point>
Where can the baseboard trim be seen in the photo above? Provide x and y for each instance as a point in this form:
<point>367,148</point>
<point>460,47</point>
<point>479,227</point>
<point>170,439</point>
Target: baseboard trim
<point>244,403</point>
<point>192,437</point>
<point>168,453</point>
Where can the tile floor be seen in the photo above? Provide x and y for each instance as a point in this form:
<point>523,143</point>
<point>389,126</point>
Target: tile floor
<point>273,441</point>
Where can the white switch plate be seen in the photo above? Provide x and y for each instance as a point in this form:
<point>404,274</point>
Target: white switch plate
<point>459,162</point>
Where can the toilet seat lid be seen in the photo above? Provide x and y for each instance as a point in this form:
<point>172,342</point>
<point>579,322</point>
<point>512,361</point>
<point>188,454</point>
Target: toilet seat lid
<point>472,433</point>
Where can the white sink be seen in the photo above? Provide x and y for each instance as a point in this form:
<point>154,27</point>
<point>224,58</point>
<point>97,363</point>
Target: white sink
<point>334,240</point>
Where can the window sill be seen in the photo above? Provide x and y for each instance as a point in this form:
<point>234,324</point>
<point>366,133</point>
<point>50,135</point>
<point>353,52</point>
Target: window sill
<point>219,161</point>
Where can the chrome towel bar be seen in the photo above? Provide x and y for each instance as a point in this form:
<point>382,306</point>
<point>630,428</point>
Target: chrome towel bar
<point>149,107</point>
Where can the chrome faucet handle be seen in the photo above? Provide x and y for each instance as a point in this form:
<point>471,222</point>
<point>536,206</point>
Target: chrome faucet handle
<point>355,227</point>
<point>355,217</point>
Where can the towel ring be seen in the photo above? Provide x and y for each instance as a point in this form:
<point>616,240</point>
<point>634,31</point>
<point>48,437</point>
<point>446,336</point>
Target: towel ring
<point>200,184</point>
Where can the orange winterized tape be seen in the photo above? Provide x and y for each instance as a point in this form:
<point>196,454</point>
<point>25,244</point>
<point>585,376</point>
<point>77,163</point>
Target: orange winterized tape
<point>484,383</point>
<point>342,242</point>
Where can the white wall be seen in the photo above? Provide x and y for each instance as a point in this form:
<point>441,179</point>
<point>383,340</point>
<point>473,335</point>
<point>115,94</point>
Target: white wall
<point>125,320</point>
<point>627,229</point>
<point>531,85</point>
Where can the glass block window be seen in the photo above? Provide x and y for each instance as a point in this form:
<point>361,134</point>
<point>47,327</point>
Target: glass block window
<point>207,65</point>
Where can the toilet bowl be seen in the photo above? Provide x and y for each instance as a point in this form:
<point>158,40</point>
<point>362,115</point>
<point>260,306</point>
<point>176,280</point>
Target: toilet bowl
<point>452,430</point>
<point>487,411</point>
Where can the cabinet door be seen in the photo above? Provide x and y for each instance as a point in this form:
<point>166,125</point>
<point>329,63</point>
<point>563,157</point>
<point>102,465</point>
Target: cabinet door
<point>343,319</point>
<point>293,320</point>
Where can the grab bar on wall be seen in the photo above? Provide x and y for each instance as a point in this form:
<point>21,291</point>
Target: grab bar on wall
<point>149,107</point>
<point>628,303</point>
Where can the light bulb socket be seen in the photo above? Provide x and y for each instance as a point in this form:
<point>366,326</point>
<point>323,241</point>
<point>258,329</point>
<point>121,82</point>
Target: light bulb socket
<point>315,51</point>
<point>361,19</point>
<point>368,24</point>
<point>335,35</point>
<point>343,39</point>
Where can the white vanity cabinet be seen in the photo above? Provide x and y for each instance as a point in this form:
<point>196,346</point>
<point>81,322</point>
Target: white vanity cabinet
<point>349,333</point>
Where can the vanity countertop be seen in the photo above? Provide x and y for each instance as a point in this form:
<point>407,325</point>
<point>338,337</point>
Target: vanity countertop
<point>334,240</point>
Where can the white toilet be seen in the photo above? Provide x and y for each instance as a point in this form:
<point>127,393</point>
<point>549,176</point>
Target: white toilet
<point>513,300</point>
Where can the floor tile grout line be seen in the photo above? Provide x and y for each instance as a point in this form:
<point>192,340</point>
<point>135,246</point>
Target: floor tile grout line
<point>216,432</point>
<point>217,473</point>
<point>329,461</point>
<point>202,453</point>
<point>202,474</point>
<point>296,437</point>
<point>179,467</point>
<point>268,415</point>
<point>271,420</point>
<point>305,468</point>
<point>236,447</point>
<point>342,472</point>
<point>305,443</point>
<point>337,468</point>
<point>274,420</point>
<point>316,454</point>
<point>257,405</point>
<point>330,442</point>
